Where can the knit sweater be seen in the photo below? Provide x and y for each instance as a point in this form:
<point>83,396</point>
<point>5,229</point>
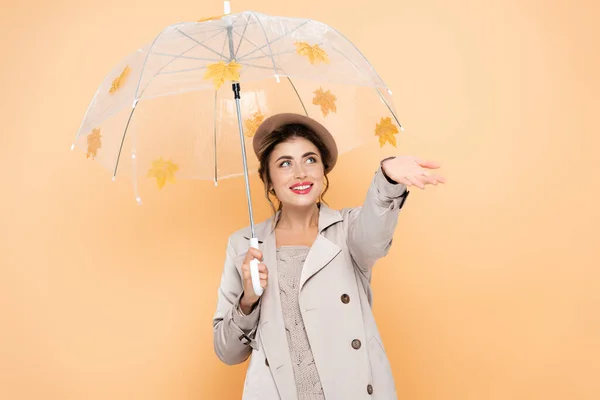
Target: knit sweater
<point>290,260</point>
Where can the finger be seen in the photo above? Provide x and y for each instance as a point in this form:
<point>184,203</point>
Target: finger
<point>263,283</point>
<point>415,182</point>
<point>436,178</point>
<point>428,163</point>
<point>262,268</point>
<point>254,253</point>
<point>246,271</point>
<point>403,181</point>
<point>428,180</point>
<point>263,275</point>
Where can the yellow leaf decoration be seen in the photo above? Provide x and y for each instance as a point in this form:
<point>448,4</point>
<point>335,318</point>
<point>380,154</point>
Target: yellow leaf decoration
<point>326,100</point>
<point>220,72</point>
<point>94,143</point>
<point>119,81</point>
<point>314,53</point>
<point>253,123</point>
<point>386,131</point>
<point>210,18</point>
<point>163,171</point>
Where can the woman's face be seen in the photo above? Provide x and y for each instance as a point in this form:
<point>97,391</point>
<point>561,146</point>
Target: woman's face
<point>297,172</point>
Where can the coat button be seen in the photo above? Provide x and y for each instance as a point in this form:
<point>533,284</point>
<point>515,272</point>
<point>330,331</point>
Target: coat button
<point>356,344</point>
<point>345,298</point>
<point>266,362</point>
<point>369,389</point>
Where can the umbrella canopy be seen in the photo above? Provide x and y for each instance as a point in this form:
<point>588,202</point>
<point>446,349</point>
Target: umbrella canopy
<point>168,112</point>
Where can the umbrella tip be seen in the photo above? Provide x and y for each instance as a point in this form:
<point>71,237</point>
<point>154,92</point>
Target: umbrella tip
<point>226,7</point>
<point>72,146</point>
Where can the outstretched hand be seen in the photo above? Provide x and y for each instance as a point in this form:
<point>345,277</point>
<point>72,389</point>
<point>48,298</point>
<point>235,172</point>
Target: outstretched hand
<point>412,171</point>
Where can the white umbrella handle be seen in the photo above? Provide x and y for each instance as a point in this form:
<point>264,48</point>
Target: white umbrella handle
<point>258,289</point>
<point>226,7</point>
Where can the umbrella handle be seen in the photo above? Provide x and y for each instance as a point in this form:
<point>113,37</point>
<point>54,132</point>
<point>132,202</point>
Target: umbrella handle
<point>258,289</point>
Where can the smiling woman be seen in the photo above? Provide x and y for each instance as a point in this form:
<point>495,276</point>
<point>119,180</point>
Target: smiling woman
<point>293,161</point>
<point>316,271</point>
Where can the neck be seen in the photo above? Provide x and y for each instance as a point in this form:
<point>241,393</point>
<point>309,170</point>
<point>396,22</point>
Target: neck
<point>299,219</point>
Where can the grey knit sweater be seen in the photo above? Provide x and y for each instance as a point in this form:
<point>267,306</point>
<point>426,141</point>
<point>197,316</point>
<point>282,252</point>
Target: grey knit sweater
<point>290,260</point>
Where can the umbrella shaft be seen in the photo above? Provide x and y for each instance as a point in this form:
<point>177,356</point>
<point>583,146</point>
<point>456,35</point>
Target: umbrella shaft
<point>242,141</point>
<point>236,92</point>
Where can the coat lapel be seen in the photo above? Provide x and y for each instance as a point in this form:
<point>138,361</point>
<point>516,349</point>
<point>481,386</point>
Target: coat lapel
<point>321,253</point>
<point>272,328</point>
<point>323,250</point>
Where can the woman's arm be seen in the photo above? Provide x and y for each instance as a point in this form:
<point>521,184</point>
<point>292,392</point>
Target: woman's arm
<point>233,331</point>
<point>371,227</point>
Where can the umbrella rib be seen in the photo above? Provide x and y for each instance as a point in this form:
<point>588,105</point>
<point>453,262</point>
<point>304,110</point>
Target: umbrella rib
<point>186,57</point>
<point>253,44</point>
<point>255,66</point>
<point>134,104</point>
<point>166,65</point>
<point>267,55</point>
<point>274,40</point>
<point>243,35</point>
<point>268,43</point>
<point>122,142</point>
<point>201,44</point>
<point>224,43</point>
<point>298,94</point>
<point>356,68</point>
<point>213,28</point>
<point>180,71</point>
<point>280,53</point>
<point>375,88</point>
<point>142,93</point>
<point>361,54</point>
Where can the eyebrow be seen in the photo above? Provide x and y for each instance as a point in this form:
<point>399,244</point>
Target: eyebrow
<point>310,153</point>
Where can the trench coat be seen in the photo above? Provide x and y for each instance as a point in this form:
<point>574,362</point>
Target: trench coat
<point>335,301</point>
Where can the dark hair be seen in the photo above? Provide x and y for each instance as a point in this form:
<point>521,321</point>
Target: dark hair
<point>281,135</point>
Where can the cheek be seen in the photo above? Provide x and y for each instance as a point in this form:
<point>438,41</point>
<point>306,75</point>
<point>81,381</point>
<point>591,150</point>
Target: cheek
<point>317,174</point>
<point>279,177</point>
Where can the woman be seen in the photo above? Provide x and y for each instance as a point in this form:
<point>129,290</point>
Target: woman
<point>312,334</point>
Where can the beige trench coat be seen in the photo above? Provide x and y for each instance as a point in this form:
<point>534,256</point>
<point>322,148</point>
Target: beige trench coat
<point>335,302</point>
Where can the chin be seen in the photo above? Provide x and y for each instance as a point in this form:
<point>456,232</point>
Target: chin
<point>301,202</point>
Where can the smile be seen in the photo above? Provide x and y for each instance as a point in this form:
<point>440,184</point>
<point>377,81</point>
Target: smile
<point>303,188</point>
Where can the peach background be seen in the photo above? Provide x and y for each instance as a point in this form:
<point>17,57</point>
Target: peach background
<point>491,291</point>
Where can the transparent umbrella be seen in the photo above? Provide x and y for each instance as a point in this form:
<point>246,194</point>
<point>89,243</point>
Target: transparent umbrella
<point>187,104</point>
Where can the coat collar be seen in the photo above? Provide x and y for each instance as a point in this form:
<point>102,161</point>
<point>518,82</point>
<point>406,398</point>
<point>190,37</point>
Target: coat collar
<point>327,217</point>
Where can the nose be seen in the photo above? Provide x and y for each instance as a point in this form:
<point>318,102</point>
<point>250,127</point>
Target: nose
<point>299,172</point>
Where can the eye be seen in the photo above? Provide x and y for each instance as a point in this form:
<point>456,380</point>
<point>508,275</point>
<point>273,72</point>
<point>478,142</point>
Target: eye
<point>284,164</point>
<point>311,159</point>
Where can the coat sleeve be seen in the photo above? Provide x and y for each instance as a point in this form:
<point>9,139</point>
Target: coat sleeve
<point>233,331</point>
<point>371,227</point>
